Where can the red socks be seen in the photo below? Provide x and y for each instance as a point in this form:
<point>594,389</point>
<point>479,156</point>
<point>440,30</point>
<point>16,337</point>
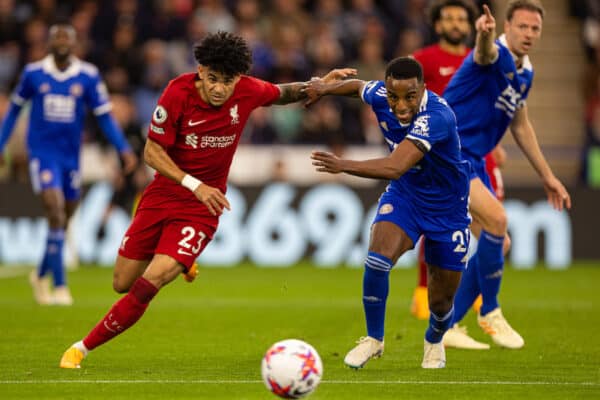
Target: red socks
<point>422,265</point>
<point>123,314</point>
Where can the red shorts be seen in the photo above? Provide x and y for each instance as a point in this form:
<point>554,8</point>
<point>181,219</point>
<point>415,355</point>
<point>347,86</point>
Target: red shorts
<point>168,230</point>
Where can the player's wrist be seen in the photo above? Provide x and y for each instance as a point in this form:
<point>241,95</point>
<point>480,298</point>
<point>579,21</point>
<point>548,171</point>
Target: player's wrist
<point>190,182</point>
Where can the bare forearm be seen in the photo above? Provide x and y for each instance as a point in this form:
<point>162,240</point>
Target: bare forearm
<point>485,51</point>
<point>291,93</point>
<point>157,158</point>
<point>379,168</point>
<point>527,141</point>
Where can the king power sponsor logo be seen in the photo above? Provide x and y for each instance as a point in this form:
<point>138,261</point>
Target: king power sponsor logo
<point>328,224</point>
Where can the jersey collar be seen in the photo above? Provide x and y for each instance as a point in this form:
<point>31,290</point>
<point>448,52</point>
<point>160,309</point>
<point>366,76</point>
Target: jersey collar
<point>526,63</point>
<point>49,67</point>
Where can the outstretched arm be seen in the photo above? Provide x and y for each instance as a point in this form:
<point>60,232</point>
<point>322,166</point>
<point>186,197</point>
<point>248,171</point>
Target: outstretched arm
<point>404,157</point>
<point>525,137</point>
<point>293,92</point>
<point>157,158</point>
<point>485,51</point>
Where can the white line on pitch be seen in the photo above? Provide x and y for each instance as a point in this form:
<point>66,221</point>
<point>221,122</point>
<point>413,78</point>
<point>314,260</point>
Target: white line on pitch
<point>332,382</point>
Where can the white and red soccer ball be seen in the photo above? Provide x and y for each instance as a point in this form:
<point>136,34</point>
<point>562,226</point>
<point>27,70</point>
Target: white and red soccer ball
<point>291,369</point>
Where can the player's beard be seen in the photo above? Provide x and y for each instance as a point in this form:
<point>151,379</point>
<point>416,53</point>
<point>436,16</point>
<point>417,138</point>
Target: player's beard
<point>455,39</point>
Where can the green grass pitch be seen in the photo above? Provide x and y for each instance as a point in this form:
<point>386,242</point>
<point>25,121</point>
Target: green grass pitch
<point>205,340</point>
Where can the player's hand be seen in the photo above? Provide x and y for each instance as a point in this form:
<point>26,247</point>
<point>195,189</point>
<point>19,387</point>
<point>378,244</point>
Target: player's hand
<point>486,22</point>
<point>338,74</point>
<point>558,196</point>
<point>317,87</point>
<point>212,198</point>
<point>327,162</point>
<point>130,162</point>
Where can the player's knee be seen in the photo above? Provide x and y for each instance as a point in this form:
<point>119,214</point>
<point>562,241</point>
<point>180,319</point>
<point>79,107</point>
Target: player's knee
<point>498,223</point>
<point>120,285</point>
<point>57,218</point>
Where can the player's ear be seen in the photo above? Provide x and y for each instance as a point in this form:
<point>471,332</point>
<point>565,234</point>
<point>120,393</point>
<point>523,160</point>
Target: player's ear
<point>201,71</point>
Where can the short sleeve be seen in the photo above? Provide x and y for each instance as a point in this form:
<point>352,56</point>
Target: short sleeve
<point>97,96</point>
<point>373,92</point>
<point>163,127</point>
<point>264,93</point>
<point>24,90</point>
<point>428,129</point>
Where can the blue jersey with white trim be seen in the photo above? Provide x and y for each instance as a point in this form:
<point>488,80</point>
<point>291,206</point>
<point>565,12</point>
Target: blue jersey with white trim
<point>486,97</point>
<point>439,182</point>
<point>58,105</point>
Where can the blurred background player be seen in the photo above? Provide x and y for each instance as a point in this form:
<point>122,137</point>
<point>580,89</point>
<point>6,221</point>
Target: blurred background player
<point>60,87</point>
<point>427,195</point>
<point>495,80</point>
<point>194,133</point>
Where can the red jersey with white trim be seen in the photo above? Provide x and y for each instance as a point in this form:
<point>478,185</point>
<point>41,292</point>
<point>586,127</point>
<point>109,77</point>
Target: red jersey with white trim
<point>200,138</point>
<point>438,66</point>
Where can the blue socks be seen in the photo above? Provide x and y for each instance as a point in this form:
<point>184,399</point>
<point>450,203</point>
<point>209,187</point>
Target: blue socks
<point>438,325</point>
<point>491,267</point>
<point>376,282</point>
<point>468,290</point>
<point>53,257</point>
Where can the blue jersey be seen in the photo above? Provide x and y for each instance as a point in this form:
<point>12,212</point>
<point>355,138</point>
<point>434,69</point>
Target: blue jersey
<point>486,97</point>
<point>58,107</point>
<point>439,183</point>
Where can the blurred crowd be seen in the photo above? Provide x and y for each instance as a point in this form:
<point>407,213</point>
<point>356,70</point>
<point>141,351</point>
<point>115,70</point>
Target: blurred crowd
<point>589,13</point>
<point>140,45</point>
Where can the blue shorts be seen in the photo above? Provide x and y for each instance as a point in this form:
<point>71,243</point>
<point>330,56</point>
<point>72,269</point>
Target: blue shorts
<point>446,237</point>
<point>478,171</point>
<point>47,173</point>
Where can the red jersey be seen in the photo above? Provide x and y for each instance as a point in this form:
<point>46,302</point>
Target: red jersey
<point>200,138</point>
<point>438,66</point>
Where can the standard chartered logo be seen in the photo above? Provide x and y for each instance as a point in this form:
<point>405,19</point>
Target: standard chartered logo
<point>328,224</point>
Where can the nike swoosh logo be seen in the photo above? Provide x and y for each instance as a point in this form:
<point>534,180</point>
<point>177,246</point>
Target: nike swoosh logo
<point>192,123</point>
<point>185,253</point>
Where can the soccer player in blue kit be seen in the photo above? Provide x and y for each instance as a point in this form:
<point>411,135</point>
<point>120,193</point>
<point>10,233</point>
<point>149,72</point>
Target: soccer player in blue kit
<point>428,195</point>
<point>488,94</point>
<point>60,87</point>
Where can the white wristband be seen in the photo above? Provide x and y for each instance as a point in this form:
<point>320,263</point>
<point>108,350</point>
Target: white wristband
<point>190,182</point>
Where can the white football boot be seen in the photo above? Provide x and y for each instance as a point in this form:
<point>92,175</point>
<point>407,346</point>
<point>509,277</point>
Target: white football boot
<point>366,348</point>
<point>458,338</point>
<point>434,355</point>
<point>495,325</point>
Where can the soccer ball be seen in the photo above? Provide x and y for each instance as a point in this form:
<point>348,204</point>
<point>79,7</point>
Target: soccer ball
<point>291,369</point>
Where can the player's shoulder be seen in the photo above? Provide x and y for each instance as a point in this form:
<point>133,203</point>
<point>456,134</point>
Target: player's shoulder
<point>427,52</point>
<point>373,90</point>
<point>249,83</point>
<point>87,68</point>
<point>182,83</point>
<point>437,107</point>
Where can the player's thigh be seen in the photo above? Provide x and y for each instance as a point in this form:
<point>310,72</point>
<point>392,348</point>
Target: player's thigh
<point>162,270</point>
<point>486,209</point>
<point>126,271</point>
<point>389,240</point>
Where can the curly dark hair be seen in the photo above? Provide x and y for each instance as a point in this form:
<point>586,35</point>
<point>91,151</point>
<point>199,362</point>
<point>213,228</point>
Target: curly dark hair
<point>404,68</point>
<point>224,52</point>
<point>435,11</point>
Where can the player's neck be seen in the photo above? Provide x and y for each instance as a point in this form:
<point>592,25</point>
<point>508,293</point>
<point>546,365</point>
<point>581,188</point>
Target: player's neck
<point>62,64</point>
<point>456,49</point>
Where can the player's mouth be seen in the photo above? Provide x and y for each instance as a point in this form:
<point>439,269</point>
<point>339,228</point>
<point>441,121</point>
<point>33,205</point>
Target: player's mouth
<point>405,117</point>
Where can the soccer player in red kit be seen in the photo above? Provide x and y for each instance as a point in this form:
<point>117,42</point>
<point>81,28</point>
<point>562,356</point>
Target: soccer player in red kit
<point>193,135</point>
